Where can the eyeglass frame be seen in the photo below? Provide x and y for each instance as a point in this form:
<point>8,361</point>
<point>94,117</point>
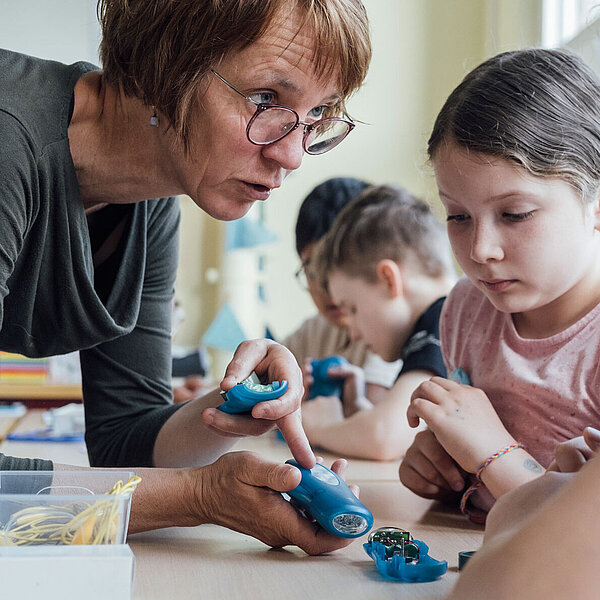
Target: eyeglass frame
<point>308,127</point>
<point>298,275</point>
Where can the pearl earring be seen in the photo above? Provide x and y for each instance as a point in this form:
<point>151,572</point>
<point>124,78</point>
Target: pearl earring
<point>154,118</point>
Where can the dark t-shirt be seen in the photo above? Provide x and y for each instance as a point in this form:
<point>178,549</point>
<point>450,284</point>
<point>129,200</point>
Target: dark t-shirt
<point>422,351</point>
<point>53,298</point>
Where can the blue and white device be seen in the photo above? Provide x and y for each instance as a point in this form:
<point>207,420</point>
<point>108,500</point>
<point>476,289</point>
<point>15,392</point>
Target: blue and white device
<point>325,495</point>
<point>241,398</point>
<point>323,385</point>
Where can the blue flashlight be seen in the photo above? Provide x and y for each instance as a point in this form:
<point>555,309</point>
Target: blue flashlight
<point>325,495</point>
<point>323,385</point>
<point>241,398</point>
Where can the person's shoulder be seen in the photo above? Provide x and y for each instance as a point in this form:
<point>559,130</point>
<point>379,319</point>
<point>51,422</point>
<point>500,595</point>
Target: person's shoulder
<point>314,328</point>
<point>38,94</point>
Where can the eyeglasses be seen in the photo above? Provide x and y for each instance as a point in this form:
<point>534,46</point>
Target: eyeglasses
<point>272,122</point>
<point>304,276</point>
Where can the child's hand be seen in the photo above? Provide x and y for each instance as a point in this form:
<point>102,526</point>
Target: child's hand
<point>571,455</point>
<point>428,470</point>
<point>354,395</point>
<point>322,411</point>
<point>307,377</point>
<point>462,419</point>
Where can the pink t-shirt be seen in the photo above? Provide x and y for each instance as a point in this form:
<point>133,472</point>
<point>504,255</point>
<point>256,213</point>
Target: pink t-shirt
<point>546,390</point>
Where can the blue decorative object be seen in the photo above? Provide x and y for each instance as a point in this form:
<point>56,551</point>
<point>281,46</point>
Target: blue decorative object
<point>241,398</point>
<point>326,497</point>
<point>247,233</point>
<point>225,332</point>
<point>393,563</point>
<point>323,385</point>
<point>460,376</point>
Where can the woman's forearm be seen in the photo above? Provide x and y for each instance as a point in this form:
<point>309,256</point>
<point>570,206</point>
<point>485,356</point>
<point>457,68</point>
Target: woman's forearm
<point>166,498</point>
<point>184,441</point>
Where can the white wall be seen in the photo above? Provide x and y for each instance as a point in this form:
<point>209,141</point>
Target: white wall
<point>64,30</point>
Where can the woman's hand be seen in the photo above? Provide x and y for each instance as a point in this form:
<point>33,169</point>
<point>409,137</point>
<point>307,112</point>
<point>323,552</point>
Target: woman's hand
<point>462,419</point>
<point>273,362</point>
<point>571,455</point>
<point>429,471</point>
<point>241,491</point>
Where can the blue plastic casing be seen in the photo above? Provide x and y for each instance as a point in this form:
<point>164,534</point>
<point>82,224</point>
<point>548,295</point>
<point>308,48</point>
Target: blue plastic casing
<point>328,499</point>
<point>397,568</point>
<point>323,385</point>
<point>241,398</point>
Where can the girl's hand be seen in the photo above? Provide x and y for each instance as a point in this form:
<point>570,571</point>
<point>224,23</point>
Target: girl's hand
<point>462,419</point>
<point>429,471</point>
<point>272,362</point>
<point>571,455</point>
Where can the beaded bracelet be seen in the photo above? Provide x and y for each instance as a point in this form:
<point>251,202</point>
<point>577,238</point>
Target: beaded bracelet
<point>477,484</point>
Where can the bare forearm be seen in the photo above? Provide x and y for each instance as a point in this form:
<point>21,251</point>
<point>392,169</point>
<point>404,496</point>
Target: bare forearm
<point>510,471</point>
<point>184,441</point>
<point>532,558</point>
<point>166,498</point>
<point>163,498</point>
<point>381,433</point>
<point>374,394</point>
<point>374,434</point>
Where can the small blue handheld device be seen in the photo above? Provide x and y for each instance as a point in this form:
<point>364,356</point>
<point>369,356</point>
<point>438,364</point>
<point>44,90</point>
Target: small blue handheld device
<point>241,398</point>
<point>323,385</point>
<point>325,495</point>
<point>401,558</point>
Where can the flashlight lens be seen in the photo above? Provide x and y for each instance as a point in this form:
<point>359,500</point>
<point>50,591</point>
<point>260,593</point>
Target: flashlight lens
<point>350,524</point>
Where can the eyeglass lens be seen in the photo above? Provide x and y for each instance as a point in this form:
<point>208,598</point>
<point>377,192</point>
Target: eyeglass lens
<point>302,278</point>
<point>274,123</point>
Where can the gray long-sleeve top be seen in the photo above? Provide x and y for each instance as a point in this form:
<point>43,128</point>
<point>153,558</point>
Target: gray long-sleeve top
<point>53,298</point>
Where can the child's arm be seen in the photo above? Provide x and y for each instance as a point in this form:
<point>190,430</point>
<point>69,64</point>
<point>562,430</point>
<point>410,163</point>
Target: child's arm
<point>467,426</point>
<point>381,433</point>
<point>527,556</point>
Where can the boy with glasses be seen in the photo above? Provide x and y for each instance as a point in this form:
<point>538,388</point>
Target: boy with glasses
<point>326,334</point>
<point>386,262</point>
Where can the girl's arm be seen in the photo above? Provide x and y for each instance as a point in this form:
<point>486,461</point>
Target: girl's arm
<point>467,426</point>
<point>381,433</point>
<point>533,554</point>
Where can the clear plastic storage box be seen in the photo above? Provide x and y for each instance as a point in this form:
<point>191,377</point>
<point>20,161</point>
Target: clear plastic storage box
<point>63,507</point>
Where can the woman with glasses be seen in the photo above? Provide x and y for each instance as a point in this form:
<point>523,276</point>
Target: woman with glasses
<point>218,101</point>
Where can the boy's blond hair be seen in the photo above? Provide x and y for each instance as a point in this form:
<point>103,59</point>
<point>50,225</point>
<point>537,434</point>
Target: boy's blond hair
<point>384,222</point>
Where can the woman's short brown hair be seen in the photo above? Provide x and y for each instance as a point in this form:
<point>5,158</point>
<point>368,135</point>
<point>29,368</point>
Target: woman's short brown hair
<point>160,50</point>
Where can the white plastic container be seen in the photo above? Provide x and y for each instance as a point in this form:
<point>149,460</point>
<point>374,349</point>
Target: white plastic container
<point>62,535</point>
<point>63,508</point>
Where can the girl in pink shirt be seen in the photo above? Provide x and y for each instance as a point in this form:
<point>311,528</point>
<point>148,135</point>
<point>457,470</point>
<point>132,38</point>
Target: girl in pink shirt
<point>516,155</point>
